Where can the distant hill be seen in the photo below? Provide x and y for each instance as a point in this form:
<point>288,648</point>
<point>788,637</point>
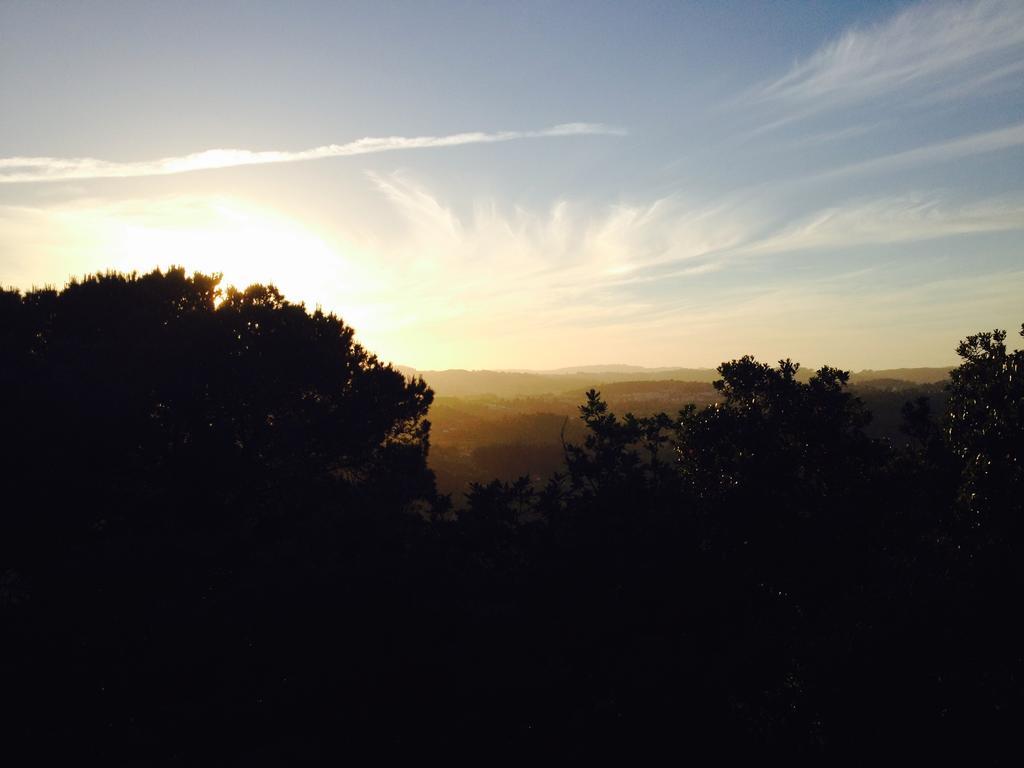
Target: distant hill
<point>507,383</point>
<point>462,383</point>
<point>609,368</point>
<point>913,375</point>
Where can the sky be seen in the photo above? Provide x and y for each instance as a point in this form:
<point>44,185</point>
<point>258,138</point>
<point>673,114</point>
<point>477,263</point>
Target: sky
<point>538,185</point>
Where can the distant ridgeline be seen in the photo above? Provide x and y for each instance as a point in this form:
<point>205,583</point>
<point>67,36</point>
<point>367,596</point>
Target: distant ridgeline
<point>221,543</point>
<point>463,383</point>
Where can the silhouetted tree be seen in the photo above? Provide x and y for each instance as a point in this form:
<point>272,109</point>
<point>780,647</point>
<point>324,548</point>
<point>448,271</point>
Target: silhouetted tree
<point>185,463</point>
<point>985,423</point>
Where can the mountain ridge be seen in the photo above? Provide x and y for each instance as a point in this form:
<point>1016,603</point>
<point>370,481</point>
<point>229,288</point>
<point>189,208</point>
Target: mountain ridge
<point>461,382</point>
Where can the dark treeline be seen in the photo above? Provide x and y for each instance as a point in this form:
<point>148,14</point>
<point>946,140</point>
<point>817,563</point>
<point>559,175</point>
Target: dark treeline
<point>478,439</point>
<point>220,543</point>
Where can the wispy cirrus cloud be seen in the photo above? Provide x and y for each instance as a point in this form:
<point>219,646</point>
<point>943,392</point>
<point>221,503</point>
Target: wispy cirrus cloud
<point>937,152</point>
<point>891,220</point>
<point>575,269</point>
<point>929,48</point>
<point>572,246</point>
<point>577,255</point>
<point>33,169</point>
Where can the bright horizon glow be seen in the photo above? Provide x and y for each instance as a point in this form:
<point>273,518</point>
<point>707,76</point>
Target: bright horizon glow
<point>245,243</point>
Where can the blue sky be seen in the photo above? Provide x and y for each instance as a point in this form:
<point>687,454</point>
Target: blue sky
<point>538,184</point>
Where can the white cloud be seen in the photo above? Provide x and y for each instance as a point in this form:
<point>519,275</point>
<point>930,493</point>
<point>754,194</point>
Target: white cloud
<point>891,220</point>
<point>32,169</point>
<point>569,248</point>
<point>931,47</point>
<point>938,152</point>
<point>573,268</point>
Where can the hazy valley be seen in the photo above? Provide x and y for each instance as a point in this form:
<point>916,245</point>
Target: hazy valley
<point>507,424</point>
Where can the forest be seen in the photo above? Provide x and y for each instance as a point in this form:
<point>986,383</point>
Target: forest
<point>231,536</point>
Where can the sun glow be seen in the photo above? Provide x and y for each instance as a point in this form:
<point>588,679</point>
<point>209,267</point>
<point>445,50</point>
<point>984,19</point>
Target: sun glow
<point>245,244</point>
<point>242,241</point>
